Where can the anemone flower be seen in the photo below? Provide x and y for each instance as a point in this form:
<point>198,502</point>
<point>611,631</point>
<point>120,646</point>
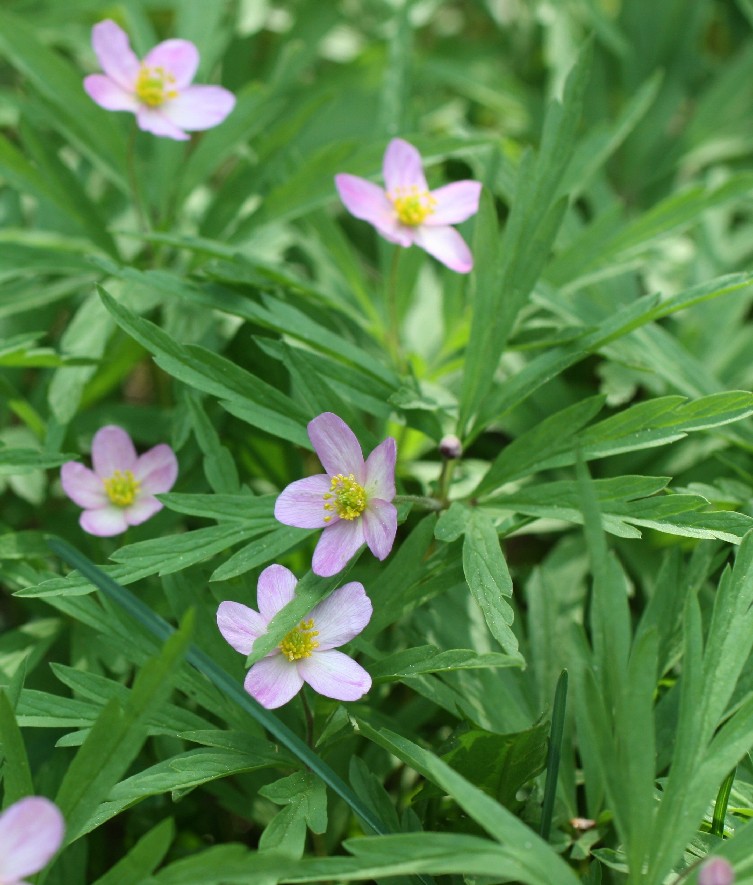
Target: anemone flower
<point>120,490</point>
<point>407,212</point>
<point>31,831</point>
<point>351,501</point>
<point>158,89</point>
<point>307,653</point>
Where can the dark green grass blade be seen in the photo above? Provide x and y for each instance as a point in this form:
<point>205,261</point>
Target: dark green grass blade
<point>553,756</point>
<point>720,806</point>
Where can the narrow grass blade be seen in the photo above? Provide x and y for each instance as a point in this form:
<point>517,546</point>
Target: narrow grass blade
<point>720,806</point>
<point>553,756</point>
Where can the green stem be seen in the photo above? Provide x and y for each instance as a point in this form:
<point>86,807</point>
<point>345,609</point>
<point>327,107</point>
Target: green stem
<point>309,719</point>
<point>393,315</point>
<point>720,806</point>
<point>133,181</point>
<point>445,478</point>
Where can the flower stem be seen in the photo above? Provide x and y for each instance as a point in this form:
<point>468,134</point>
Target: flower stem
<point>133,181</point>
<point>393,315</point>
<point>420,501</point>
<point>309,719</point>
<point>445,478</point>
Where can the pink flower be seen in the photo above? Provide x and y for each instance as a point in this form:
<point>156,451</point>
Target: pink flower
<point>307,653</point>
<point>31,831</point>
<point>408,213</point>
<point>351,501</point>
<point>716,871</point>
<point>158,89</point>
<point>120,490</point>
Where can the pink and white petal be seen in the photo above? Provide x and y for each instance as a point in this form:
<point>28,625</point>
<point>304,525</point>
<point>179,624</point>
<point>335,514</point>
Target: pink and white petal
<point>108,94</point>
<point>337,545</point>
<point>274,590</point>
<point>104,522</point>
<point>144,507</point>
<point>240,625</point>
<point>82,485</point>
<point>368,201</point>
<point>380,471</point>
<point>114,53</point>
<point>335,675</point>
<point>447,246</point>
<point>156,470</point>
<point>199,107</point>
<point>341,616</point>
<point>179,58</point>
<point>112,449</point>
<point>402,167</point>
<point>380,527</point>
<point>152,120</point>
<point>302,503</point>
<point>273,681</point>
<point>455,203</point>
<point>336,446</point>
<point>31,831</point>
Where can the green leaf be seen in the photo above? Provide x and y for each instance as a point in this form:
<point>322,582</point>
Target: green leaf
<point>143,859</point>
<point>429,659</point>
<point>17,781</point>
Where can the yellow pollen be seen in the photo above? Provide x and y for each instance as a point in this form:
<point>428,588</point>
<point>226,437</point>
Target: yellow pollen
<point>412,205</point>
<point>300,642</point>
<point>121,488</point>
<point>153,86</point>
<point>346,497</point>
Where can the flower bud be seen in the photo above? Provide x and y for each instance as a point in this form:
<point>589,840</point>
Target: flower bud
<point>716,871</point>
<point>450,447</point>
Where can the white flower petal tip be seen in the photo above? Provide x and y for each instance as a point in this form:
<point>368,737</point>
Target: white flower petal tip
<point>351,501</point>
<point>31,832</point>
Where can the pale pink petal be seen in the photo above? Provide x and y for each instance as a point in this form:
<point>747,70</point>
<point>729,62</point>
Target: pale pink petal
<point>31,831</point>
<point>336,546</point>
<point>82,485</point>
<point>455,203</point>
<point>716,871</point>
<point>112,449</point>
<point>157,470</point>
<point>380,471</point>
<point>179,58</point>
<point>368,201</point>
<point>335,675</point>
<point>402,167</point>
<point>104,522</point>
<point>273,681</point>
<point>240,625</point>
<point>142,508</point>
<point>380,527</point>
<point>302,503</point>
<point>115,55</point>
<point>336,446</point>
<point>199,107</point>
<point>274,590</point>
<point>341,616</point>
<point>447,246</point>
<point>108,94</point>
<point>154,121</point>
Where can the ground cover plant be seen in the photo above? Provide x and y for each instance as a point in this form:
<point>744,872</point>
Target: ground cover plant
<point>375,442</point>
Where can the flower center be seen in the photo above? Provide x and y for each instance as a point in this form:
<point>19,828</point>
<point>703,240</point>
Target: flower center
<point>412,205</point>
<point>154,86</point>
<point>121,488</point>
<point>300,642</point>
<point>346,497</point>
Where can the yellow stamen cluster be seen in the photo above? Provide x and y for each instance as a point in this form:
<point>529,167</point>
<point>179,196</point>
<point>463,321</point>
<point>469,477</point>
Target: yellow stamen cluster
<point>121,488</point>
<point>346,497</point>
<point>154,86</point>
<point>412,206</point>
<point>300,642</point>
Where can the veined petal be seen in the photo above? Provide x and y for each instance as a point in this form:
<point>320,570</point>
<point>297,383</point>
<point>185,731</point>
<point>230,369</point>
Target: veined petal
<point>156,470</point>
<point>402,167</point>
<point>454,203</point>
<point>447,246</point>
<point>104,522</point>
<point>82,485</point>
<point>179,58</point>
<point>142,509</point>
<point>336,446</point>
<point>31,831</point>
<point>114,54</point>
<point>380,527</point>
<point>273,681</point>
<point>274,590</point>
<point>199,107</point>
<point>380,471</point>
<point>302,503</point>
<point>341,616</point>
<point>240,625</point>
<point>152,120</point>
<point>336,546</point>
<point>335,675</point>
<point>108,94</point>
<point>112,449</point>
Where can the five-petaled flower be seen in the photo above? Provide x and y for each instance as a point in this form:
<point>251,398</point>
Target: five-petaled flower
<point>158,89</point>
<point>31,831</point>
<point>351,501</point>
<point>307,653</point>
<point>120,490</point>
<point>408,213</point>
